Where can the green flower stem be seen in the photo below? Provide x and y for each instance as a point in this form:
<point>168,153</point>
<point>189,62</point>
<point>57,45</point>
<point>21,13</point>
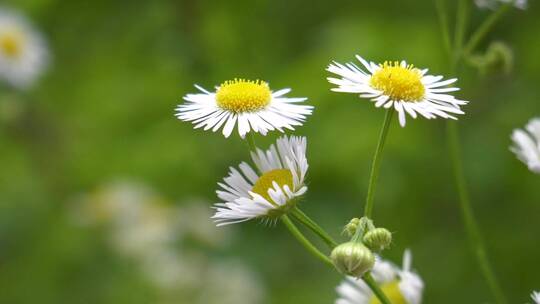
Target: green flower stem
<point>375,165</point>
<point>445,28</point>
<point>304,241</point>
<point>250,138</point>
<point>313,226</point>
<point>484,28</point>
<point>368,279</point>
<point>471,226</point>
<point>462,15</point>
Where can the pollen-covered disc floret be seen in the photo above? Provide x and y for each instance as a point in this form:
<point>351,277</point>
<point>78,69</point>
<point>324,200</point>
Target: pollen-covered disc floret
<point>241,95</point>
<point>23,54</point>
<point>527,145</point>
<point>400,285</point>
<point>400,85</point>
<point>269,194</point>
<point>249,104</point>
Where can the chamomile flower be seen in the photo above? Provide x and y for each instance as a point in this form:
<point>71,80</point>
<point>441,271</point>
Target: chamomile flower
<point>23,54</point>
<point>527,144</point>
<point>536,297</point>
<point>250,104</point>
<point>248,195</point>
<point>401,286</point>
<point>492,4</point>
<point>400,85</point>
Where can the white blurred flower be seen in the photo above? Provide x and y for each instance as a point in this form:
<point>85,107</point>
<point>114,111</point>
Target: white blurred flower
<point>192,220</point>
<point>493,4</point>
<point>401,286</point>
<point>23,53</point>
<point>158,237</point>
<point>535,296</point>
<point>251,104</point>
<point>409,90</point>
<point>231,283</point>
<point>527,145</point>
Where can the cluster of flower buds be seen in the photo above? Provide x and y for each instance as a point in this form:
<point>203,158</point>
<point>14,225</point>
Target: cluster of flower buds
<point>355,257</point>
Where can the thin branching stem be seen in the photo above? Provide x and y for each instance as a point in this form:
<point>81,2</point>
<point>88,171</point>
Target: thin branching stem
<point>453,142</point>
<point>304,241</point>
<point>313,226</point>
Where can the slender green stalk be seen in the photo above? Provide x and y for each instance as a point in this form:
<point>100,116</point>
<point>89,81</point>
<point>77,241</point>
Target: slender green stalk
<point>304,241</point>
<point>250,138</point>
<point>484,28</point>
<point>462,14</point>
<point>313,226</point>
<point>441,6</point>
<point>368,279</point>
<point>471,226</point>
<point>375,165</point>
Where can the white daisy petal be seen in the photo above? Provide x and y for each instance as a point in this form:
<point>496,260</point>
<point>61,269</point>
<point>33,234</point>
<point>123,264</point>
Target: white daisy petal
<point>249,105</point>
<point>535,296</point>
<point>493,4</point>
<point>527,145</point>
<point>283,166</point>
<point>23,51</point>
<point>400,85</point>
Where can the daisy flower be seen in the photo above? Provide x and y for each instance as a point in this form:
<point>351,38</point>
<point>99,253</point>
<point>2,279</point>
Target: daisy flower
<point>492,4</point>
<point>401,286</point>
<point>270,193</point>
<point>250,104</point>
<point>536,297</point>
<point>23,54</point>
<point>400,85</point>
<point>527,144</point>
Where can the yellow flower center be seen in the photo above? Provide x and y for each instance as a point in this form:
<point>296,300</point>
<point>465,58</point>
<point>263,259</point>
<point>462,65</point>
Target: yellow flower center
<point>398,82</point>
<point>392,292</point>
<point>11,44</point>
<point>240,95</point>
<point>281,176</point>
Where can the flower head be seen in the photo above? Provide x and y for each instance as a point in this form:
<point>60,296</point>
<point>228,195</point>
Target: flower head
<point>271,193</point>
<point>400,85</point>
<point>527,145</point>
<point>535,296</point>
<point>492,4</point>
<point>251,104</point>
<point>401,286</point>
<point>23,54</point>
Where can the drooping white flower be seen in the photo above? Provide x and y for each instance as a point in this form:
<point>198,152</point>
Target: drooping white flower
<point>527,144</point>
<point>23,53</point>
<point>401,286</point>
<point>493,4</point>
<point>271,193</point>
<point>535,296</point>
<point>250,104</point>
<point>400,85</point>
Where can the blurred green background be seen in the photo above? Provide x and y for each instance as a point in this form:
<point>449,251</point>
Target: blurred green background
<point>104,112</point>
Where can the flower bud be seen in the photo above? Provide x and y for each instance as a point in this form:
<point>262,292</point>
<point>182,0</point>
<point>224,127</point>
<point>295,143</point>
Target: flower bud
<point>350,228</point>
<point>378,239</point>
<point>353,259</point>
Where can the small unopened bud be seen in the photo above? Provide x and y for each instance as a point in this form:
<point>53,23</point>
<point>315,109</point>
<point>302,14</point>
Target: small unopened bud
<point>353,259</point>
<point>378,239</point>
<point>350,228</point>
